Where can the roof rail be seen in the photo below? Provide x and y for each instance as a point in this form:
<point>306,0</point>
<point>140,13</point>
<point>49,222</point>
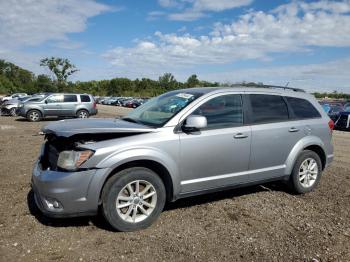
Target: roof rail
<point>285,88</point>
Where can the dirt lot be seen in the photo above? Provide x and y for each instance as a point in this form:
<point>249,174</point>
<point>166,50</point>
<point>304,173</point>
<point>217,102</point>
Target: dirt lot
<point>261,223</point>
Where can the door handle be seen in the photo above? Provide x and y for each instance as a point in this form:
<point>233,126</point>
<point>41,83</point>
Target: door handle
<point>240,135</point>
<point>293,129</point>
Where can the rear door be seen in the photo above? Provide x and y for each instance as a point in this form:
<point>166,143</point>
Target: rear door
<point>273,135</point>
<point>69,105</point>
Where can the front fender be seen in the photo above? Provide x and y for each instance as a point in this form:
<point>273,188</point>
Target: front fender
<point>40,109</point>
<point>145,153</point>
<point>298,148</point>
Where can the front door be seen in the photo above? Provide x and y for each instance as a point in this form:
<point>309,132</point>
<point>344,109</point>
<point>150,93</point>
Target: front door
<point>53,105</point>
<point>218,155</point>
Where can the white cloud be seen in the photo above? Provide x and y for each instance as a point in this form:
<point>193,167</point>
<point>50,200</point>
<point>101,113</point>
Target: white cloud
<point>294,27</point>
<point>219,5</point>
<point>328,76</point>
<point>190,10</point>
<point>33,22</point>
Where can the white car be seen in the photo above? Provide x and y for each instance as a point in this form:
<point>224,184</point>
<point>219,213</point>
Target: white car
<point>16,95</point>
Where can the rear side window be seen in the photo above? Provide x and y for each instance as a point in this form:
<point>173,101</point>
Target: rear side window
<point>302,108</point>
<point>70,98</point>
<point>85,98</point>
<point>222,111</point>
<point>268,108</point>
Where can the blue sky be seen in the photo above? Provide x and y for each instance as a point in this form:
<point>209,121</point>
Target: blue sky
<point>305,43</point>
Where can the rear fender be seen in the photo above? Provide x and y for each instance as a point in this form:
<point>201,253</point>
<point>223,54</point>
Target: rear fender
<point>298,148</point>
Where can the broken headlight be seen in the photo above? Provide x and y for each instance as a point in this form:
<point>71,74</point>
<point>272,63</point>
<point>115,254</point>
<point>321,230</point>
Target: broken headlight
<point>72,160</point>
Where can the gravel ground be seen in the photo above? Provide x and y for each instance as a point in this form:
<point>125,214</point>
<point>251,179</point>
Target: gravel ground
<point>261,223</point>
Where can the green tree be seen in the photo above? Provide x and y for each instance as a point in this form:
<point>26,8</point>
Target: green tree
<point>45,84</point>
<point>168,81</point>
<point>62,68</point>
<point>192,81</point>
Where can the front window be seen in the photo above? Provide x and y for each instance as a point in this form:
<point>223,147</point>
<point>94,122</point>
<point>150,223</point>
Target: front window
<point>222,111</point>
<point>55,99</point>
<point>159,110</point>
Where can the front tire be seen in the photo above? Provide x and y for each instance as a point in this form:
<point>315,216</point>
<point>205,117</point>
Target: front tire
<point>133,199</point>
<point>13,111</point>
<point>306,173</point>
<point>34,116</point>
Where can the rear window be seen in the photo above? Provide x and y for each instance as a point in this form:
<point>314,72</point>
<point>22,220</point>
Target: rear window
<point>70,98</point>
<point>85,98</point>
<point>302,108</point>
<point>268,108</point>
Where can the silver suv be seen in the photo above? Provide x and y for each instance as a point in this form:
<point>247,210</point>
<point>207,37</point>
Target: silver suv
<point>60,105</point>
<point>182,143</point>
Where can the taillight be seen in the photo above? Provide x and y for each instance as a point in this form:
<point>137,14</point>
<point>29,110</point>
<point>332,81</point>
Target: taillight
<point>331,124</point>
<point>94,105</point>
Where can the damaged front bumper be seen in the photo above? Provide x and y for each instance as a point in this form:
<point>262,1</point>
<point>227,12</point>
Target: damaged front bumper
<point>6,109</point>
<point>67,194</point>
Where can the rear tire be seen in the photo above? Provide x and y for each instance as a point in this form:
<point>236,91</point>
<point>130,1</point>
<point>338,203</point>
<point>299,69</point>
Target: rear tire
<point>306,173</point>
<point>34,116</point>
<point>133,199</point>
<point>82,114</point>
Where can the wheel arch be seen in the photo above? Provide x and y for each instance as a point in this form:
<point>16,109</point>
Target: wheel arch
<point>320,152</point>
<point>312,143</point>
<point>37,108</point>
<point>155,166</point>
<point>81,109</point>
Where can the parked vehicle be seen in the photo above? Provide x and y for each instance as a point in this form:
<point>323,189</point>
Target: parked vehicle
<point>343,121</point>
<point>10,107</point>
<point>60,105</point>
<point>347,107</point>
<point>133,103</point>
<point>9,97</point>
<point>334,111</point>
<point>209,139</point>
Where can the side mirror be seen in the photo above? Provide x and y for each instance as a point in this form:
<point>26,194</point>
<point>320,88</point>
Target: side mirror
<point>195,123</point>
<point>46,101</point>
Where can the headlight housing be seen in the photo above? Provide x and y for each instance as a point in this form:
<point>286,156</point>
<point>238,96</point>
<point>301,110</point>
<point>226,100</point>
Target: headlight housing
<point>72,160</point>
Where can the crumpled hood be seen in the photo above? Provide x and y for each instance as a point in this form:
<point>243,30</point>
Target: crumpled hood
<point>67,128</point>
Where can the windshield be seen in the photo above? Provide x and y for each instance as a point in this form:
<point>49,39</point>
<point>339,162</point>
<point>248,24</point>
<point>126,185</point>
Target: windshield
<point>159,110</point>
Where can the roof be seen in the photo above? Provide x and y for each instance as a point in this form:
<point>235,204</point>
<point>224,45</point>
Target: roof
<point>265,89</point>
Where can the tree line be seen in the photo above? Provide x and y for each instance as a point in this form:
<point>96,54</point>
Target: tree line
<point>16,79</point>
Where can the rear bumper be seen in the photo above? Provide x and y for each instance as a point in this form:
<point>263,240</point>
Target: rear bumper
<point>329,159</point>
<point>66,194</point>
<point>93,112</point>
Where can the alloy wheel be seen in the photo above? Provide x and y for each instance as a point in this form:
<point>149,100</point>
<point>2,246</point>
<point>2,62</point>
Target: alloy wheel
<point>34,116</point>
<point>83,114</point>
<point>136,201</point>
<point>308,172</point>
